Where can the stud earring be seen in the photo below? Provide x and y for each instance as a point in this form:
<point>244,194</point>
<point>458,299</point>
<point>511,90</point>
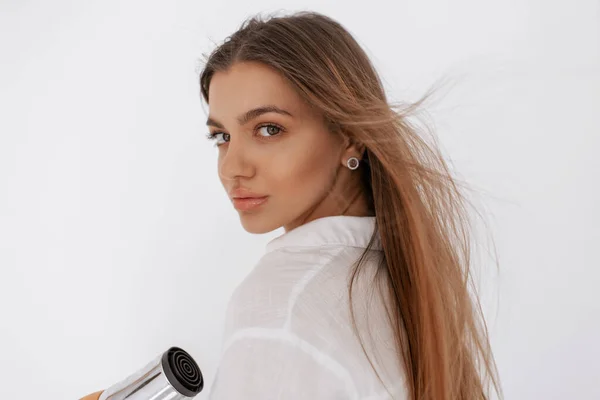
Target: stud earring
<point>352,163</point>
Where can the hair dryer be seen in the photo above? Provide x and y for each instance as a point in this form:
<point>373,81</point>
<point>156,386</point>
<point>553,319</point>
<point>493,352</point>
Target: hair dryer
<point>174,375</point>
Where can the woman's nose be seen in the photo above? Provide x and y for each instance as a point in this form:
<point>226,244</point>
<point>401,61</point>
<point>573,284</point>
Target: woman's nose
<point>234,162</point>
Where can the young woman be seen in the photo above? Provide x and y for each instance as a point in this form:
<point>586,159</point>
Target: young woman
<point>365,295</point>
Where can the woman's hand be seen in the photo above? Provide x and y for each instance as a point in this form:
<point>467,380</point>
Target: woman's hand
<point>93,396</point>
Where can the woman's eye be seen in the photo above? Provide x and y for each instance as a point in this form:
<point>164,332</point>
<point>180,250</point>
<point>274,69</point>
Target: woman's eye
<point>269,130</point>
<point>220,137</point>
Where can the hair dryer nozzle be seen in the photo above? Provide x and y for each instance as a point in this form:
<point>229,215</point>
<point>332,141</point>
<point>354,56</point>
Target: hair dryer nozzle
<point>174,375</point>
<point>182,372</point>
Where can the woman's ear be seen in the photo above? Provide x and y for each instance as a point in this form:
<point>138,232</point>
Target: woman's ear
<point>352,149</point>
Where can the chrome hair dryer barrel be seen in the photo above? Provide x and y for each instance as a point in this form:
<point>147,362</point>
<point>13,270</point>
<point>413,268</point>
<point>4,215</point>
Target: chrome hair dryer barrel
<point>174,375</point>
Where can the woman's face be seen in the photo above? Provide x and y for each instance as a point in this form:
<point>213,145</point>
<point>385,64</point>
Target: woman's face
<point>287,157</point>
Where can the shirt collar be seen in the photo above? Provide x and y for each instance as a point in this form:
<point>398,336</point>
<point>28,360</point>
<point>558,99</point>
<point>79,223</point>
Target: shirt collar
<point>345,230</point>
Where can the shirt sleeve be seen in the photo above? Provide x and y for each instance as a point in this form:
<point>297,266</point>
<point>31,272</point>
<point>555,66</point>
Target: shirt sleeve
<point>273,364</point>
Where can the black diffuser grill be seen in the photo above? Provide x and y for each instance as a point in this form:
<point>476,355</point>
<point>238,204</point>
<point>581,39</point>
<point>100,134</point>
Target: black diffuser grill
<point>182,372</point>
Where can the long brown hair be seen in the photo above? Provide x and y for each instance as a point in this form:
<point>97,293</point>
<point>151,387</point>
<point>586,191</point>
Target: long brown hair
<point>420,212</point>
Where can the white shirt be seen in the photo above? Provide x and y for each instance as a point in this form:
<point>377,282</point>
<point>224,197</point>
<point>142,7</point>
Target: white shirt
<point>288,330</point>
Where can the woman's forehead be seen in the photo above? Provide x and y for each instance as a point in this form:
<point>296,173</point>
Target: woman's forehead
<point>248,85</point>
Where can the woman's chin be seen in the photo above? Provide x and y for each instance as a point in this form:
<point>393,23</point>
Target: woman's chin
<point>257,224</point>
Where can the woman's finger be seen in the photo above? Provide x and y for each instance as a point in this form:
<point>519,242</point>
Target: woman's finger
<point>93,396</point>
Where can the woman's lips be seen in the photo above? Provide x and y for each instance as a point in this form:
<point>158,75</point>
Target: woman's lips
<point>248,203</point>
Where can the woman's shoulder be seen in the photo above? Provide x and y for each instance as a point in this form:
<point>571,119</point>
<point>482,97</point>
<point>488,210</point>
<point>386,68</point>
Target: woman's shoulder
<point>285,273</point>
<point>302,297</point>
<point>295,286</point>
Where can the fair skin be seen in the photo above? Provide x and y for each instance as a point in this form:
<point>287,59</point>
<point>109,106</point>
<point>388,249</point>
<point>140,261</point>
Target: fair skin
<point>297,163</point>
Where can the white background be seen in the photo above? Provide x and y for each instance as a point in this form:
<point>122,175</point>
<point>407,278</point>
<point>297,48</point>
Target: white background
<point>117,240</point>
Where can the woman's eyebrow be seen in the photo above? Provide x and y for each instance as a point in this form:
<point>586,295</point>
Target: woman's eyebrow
<point>251,114</point>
